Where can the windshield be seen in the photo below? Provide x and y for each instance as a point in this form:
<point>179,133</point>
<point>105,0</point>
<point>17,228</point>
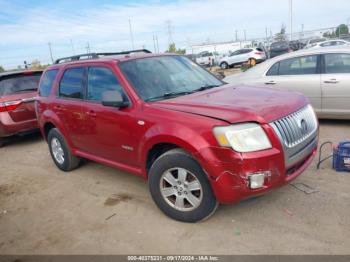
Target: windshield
<point>157,78</point>
<point>19,83</point>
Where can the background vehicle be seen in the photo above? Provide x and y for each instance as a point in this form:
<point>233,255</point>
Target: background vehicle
<point>197,141</point>
<point>17,94</point>
<point>206,58</point>
<point>279,48</point>
<point>313,41</point>
<point>241,56</point>
<point>296,45</point>
<point>322,74</point>
<point>334,42</point>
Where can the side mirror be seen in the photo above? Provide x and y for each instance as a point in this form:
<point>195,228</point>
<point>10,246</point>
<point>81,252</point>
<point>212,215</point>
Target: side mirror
<point>114,99</point>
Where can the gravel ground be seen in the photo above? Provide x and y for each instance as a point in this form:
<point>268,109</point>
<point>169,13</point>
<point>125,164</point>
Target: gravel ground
<point>99,210</point>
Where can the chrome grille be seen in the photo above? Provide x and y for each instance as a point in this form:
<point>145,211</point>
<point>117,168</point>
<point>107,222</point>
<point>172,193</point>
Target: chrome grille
<point>296,127</point>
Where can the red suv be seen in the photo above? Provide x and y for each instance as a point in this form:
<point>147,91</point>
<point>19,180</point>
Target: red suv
<point>197,140</point>
<point>18,90</point>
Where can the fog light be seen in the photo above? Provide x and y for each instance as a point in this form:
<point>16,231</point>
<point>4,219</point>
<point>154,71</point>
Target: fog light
<point>256,180</point>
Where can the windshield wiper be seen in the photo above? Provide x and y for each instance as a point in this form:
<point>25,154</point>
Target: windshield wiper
<point>169,95</point>
<point>202,88</point>
<point>25,90</point>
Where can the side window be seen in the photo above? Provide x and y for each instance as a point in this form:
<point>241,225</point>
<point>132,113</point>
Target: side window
<point>273,70</point>
<point>304,65</point>
<point>71,85</point>
<point>101,79</point>
<point>47,82</point>
<point>337,63</point>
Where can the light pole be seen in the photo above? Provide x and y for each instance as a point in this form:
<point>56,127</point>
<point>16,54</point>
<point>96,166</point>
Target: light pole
<point>291,19</point>
<point>131,35</point>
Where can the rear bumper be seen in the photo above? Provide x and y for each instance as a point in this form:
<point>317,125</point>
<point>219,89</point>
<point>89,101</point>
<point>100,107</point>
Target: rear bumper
<point>8,127</point>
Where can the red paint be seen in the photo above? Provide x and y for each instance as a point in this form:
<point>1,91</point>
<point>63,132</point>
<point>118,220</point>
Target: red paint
<point>186,122</point>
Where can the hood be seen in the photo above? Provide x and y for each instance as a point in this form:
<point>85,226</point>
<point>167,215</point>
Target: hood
<point>235,104</point>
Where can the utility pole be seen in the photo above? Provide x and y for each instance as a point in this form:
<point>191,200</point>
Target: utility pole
<point>72,45</point>
<point>236,35</point>
<point>245,35</point>
<point>88,48</point>
<point>131,35</point>
<point>291,19</point>
<point>170,31</point>
<point>157,43</point>
<point>154,44</point>
<point>49,44</point>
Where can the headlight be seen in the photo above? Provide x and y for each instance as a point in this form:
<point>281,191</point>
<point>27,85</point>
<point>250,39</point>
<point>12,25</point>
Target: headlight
<point>246,137</point>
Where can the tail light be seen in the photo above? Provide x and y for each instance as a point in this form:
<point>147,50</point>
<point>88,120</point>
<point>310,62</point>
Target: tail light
<point>258,53</point>
<point>10,105</point>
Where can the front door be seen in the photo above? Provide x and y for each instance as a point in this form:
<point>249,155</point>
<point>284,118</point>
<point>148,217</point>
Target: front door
<point>299,74</point>
<point>110,133</point>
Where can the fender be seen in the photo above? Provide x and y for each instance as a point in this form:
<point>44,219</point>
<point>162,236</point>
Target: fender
<point>177,134</point>
<point>49,116</point>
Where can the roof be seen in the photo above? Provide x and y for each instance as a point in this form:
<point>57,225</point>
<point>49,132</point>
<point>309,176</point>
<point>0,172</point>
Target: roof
<point>19,72</point>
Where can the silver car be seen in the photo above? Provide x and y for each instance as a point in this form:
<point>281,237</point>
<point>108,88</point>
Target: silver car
<point>321,74</point>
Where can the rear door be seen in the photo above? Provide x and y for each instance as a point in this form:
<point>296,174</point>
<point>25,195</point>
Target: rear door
<point>300,74</point>
<point>68,105</point>
<point>335,84</point>
<point>19,90</point>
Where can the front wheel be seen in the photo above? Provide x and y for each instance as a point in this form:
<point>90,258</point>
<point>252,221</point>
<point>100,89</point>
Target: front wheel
<point>180,187</point>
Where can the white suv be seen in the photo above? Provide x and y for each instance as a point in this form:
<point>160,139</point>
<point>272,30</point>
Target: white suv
<point>254,55</point>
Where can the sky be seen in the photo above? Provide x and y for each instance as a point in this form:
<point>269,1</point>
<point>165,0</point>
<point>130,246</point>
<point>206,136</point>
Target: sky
<point>27,26</point>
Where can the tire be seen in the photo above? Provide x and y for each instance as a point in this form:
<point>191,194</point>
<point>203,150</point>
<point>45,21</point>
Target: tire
<point>196,202</point>
<point>224,65</point>
<point>69,161</point>
<point>252,61</point>
<point>2,142</point>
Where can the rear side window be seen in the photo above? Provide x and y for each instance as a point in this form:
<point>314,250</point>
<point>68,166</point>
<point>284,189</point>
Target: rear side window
<point>337,63</point>
<point>71,85</point>
<point>101,79</point>
<point>19,83</point>
<point>304,65</point>
<point>47,82</point>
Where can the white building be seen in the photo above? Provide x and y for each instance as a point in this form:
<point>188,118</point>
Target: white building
<point>220,48</point>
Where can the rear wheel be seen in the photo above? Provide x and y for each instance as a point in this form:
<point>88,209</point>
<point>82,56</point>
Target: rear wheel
<point>180,187</point>
<point>2,142</point>
<point>60,152</point>
<point>224,65</point>
<point>252,61</point>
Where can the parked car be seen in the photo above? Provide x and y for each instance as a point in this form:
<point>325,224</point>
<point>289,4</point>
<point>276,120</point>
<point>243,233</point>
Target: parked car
<point>206,58</point>
<point>334,42</point>
<point>296,45</point>
<point>311,42</point>
<point>279,48</point>
<point>197,140</point>
<point>17,94</point>
<point>323,75</point>
<point>255,55</point>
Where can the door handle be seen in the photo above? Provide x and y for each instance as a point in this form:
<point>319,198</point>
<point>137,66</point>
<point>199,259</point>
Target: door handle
<point>59,108</point>
<point>91,113</point>
<point>331,81</point>
<point>270,82</point>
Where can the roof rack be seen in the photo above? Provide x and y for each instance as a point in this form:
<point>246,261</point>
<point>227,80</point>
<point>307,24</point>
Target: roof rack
<point>97,55</point>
